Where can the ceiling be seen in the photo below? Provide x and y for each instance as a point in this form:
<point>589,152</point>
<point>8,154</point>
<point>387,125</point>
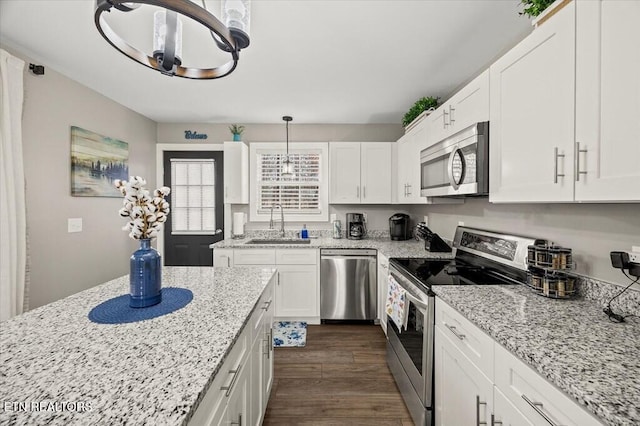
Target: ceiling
<point>321,61</point>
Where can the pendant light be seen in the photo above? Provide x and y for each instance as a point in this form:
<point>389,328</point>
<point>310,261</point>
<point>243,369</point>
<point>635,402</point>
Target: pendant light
<point>287,165</point>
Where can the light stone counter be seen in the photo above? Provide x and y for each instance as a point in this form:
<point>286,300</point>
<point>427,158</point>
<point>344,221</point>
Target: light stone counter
<point>409,248</point>
<point>571,343</point>
<point>153,372</point>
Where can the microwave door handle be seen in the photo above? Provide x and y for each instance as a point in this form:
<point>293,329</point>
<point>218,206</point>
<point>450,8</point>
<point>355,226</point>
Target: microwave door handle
<point>452,156</point>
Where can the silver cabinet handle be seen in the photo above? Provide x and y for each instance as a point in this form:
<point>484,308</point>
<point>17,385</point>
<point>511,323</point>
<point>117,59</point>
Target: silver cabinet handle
<point>451,119</point>
<point>239,422</point>
<point>358,191</point>
<point>537,406</point>
<point>478,404</point>
<point>409,189</point>
<point>266,305</point>
<point>233,382</point>
<point>578,152</point>
<point>364,191</point>
<point>444,118</point>
<point>278,278</point>
<point>226,192</point>
<point>555,166</point>
<point>495,422</point>
<point>455,332</point>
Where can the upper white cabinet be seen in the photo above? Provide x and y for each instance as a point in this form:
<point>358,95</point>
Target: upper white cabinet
<point>408,164</point>
<point>236,173</point>
<point>607,101</point>
<point>468,106</point>
<point>360,172</point>
<point>531,115</point>
<point>564,109</point>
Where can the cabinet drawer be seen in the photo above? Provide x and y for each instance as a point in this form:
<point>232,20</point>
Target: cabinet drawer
<point>222,258</point>
<point>472,341</point>
<point>296,257</point>
<point>257,316</point>
<point>254,257</point>
<point>534,396</point>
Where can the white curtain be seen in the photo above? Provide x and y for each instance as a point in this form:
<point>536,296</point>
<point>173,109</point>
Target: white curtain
<point>13,251</point>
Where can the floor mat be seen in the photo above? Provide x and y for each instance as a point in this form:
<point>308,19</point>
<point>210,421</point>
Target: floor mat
<point>289,334</point>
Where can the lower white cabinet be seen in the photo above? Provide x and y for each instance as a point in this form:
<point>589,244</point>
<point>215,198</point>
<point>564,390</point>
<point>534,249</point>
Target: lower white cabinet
<point>463,394</point>
<point>297,290</point>
<point>468,392</point>
<point>383,288</point>
<point>240,390</point>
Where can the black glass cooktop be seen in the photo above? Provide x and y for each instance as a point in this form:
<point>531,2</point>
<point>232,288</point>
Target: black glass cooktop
<point>448,272</point>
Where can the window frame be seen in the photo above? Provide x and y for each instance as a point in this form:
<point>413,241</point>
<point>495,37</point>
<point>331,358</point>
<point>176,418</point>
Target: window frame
<point>322,148</point>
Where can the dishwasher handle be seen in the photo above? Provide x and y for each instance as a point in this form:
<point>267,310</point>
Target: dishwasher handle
<point>351,253</point>
<point>334,257</point>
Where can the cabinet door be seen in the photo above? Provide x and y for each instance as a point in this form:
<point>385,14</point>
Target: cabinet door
<point>344,172</point>
<point>267,359</point>
<point>505,413</point>
<point>608,101</point>
<point>296,291</point>
<point>463,395</point>
<point>222,257</point>
<point>402,157</point>
<point>408,166</point>
<point>470,105</point>
<point>236,173</point>
<point>375,172</point>
<point>532,115</point>
<point>255,384</point>
<point>238,412</point>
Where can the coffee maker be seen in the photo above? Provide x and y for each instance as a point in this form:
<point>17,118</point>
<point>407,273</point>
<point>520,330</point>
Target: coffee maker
<point>356,228</point>
<point>399,229</point>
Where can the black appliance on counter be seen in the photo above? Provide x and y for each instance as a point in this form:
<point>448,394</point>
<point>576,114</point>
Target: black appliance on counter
<point>482,258</point>
<point>356,228</point>
<point>399,228</point>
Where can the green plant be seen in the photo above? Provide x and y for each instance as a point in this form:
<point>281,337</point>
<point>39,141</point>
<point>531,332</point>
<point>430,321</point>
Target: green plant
<point>418,108</point>
<point>533,8</point>
<point>236,129</point>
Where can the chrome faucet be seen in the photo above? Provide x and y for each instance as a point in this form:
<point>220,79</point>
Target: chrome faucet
<point>281,219</point>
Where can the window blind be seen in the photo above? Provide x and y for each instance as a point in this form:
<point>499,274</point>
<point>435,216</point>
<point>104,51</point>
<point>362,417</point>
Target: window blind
<point>298,194</point>
<point>193,196</point>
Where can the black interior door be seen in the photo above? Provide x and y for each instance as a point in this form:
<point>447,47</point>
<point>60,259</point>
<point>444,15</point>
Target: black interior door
<point>196,219</point>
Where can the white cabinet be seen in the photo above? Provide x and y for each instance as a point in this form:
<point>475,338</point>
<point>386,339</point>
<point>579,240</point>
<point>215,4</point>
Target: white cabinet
<point>297,289</point>
<point>408,165</point>
<point>463,394</point>
<point>261,356</point>
<point>607,101</point>
<point>477,380</point>
<point>360,172</point>
<point>236,173</point>
<point>222,257</point>
<point>468,106</point>
<point>383,289</point>
<point>532,115</point>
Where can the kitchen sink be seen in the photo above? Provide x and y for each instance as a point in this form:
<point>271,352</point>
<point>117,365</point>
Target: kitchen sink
<point>278,241</point>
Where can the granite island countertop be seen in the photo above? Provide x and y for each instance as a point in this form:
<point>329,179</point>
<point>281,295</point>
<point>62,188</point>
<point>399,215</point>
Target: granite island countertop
<point>571,343</point>
<point>149,372</point>
<point>408,248</point>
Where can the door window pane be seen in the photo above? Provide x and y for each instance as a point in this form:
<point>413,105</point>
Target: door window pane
<point>193,196</point>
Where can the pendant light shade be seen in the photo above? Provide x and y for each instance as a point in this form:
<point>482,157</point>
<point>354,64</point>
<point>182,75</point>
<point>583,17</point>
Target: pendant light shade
<point>287,165</point>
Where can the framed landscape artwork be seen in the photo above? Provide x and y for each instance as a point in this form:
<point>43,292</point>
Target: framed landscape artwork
<point>96,161</point>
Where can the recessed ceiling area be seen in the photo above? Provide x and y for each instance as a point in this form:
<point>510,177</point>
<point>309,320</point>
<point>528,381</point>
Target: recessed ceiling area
<point>348,61</point>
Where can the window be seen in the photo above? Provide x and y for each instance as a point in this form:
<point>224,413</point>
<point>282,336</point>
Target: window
<point>193,196</point>
<point>303,196</point>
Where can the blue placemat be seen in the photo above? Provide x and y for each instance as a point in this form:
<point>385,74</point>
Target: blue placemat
<point>118,311</point>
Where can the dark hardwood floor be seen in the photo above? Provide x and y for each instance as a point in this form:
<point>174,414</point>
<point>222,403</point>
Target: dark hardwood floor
<point>339,378</point>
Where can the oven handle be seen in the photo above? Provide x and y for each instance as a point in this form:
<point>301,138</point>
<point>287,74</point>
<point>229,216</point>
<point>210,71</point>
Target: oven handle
<point>415,299</point>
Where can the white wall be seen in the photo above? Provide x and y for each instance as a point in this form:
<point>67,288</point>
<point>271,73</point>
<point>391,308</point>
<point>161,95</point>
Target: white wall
<point>62,263</point>
<point>591,230</point>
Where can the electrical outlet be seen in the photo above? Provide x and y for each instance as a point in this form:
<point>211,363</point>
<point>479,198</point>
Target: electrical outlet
<point>635,248</point>
<point>426,221</point>
<point>74,224</point>
<point>364,215</point>
<point>334,217</point>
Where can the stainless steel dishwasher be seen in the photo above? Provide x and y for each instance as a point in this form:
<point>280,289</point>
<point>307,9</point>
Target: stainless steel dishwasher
<point>348,284</point>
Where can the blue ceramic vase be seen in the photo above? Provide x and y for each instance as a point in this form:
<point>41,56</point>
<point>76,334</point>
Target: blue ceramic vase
<point>145,278</point>
<point>237,137</point>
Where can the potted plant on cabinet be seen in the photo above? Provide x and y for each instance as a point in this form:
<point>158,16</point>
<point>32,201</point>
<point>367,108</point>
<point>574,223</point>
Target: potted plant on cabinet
<point>541,10</point>
<point>419,110</point>
<point>236,130</point>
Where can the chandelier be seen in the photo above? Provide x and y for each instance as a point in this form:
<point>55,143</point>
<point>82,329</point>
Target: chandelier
<point>230,36</point>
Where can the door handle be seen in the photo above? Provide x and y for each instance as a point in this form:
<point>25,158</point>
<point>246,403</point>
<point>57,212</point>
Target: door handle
<point>495,422</point>
<point>578,152</point>
<point>444,118</point>
<point>537,406</point>
<point>357,191</point>
<point>478,404</point>
<point>364,191</point>
<point>455,332</point>
<point>451,119</point>
<point>555,165</point>
<point>233,382</point>
<point>266,305</point>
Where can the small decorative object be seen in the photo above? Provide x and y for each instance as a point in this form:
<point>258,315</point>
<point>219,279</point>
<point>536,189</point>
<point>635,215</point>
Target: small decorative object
<point>236,130</point>
<point>96,161</point>
<point>146,215</point>
<point>425,104</point>
<point>533,8</point>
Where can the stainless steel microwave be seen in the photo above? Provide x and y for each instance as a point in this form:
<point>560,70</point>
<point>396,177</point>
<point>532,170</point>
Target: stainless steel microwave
<point>457,165</point>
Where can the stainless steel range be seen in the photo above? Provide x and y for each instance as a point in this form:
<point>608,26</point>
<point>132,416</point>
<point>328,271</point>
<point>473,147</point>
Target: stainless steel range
<point>482,258</point>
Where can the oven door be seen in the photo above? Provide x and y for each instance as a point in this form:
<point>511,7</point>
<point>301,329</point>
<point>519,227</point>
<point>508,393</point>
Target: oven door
<point>414,346</point>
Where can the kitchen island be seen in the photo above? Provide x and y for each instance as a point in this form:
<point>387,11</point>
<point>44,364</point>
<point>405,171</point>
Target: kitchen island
<point>57,367</point>
<point>570,343</point>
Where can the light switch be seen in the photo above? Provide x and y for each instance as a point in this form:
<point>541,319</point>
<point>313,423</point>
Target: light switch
<point>74,224</point>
